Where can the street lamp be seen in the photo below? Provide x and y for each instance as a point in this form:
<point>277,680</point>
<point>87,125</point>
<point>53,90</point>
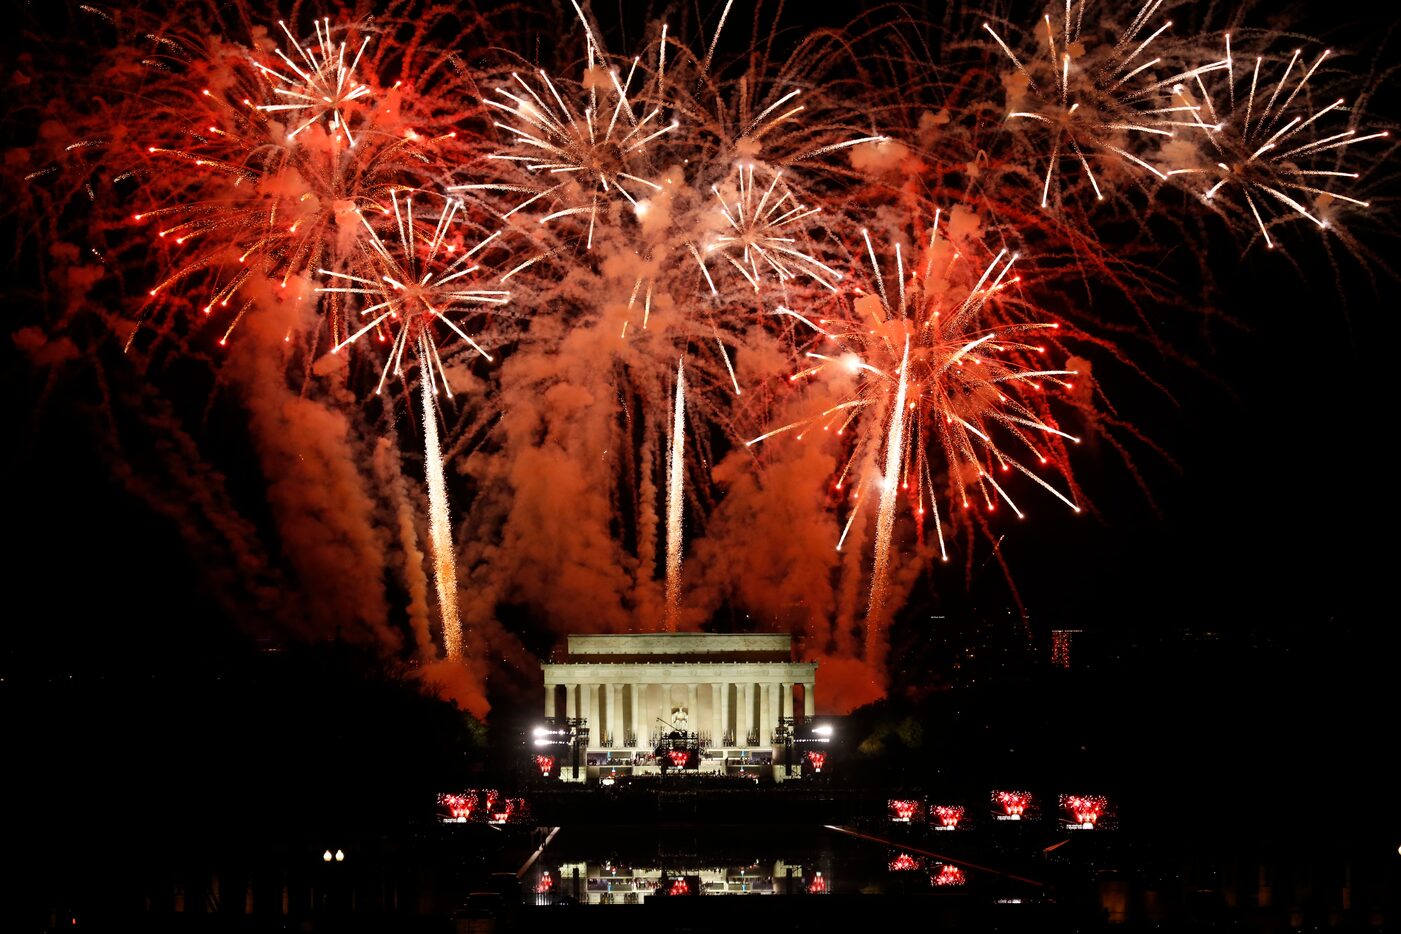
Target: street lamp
<point>329,891</point>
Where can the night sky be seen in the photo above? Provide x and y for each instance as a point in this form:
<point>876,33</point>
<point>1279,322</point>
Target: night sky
<point>1273,517</point>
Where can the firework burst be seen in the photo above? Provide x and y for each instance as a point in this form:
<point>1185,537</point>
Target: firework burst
<point>420,280</point>
<point>238,195</point>
<point>693,221</point>
<point>1093,101</point>
<point>765,237</point>
<point>416,281</point>
<point>590,153</point>
<point>321,86</point>
<point>1270,149</point>
<point>948,382</point>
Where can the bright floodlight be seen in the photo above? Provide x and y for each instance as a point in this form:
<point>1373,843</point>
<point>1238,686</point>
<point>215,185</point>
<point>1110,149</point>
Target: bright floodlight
<point>823,730</point>
<point>326,856</point>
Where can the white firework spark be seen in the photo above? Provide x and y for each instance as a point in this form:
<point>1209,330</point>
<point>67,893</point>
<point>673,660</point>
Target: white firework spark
<point>765,237</point>
<point>1097,100</point>
<point>322,86</point>
<point>1269,144</point>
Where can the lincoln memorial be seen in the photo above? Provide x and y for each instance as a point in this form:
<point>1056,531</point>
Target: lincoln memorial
<point>731,694</point>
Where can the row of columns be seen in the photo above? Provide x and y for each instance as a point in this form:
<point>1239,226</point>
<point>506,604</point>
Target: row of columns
<point>757,710</point>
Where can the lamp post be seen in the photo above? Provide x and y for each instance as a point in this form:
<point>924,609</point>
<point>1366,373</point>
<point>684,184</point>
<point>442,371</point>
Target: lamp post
<point>331,859</point>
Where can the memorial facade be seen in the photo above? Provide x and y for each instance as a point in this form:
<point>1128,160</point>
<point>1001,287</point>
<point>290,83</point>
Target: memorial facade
<point>735,694</point>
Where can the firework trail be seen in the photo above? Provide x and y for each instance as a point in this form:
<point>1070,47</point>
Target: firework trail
<point>251,209</point>
<point>444,556</point>
<point>674,502</point>
<point>885,518</point>
<point>642,243</point>
<point>417,281</point>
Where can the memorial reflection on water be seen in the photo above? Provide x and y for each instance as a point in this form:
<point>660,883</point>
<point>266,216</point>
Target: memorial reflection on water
<point>606,882</point>
<point>598,866</point>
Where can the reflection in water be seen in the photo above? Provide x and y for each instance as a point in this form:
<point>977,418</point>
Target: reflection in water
<point>628,866</point>
<point>606,883</point>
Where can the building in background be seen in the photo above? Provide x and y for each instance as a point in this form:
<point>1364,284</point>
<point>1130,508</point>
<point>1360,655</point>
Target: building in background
<point>648,703</point>
<point>1060,646</point>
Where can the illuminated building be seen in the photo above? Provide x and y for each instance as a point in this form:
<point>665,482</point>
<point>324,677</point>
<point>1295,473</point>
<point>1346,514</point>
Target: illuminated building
<point>737,699</point>
<point>1060,647</point>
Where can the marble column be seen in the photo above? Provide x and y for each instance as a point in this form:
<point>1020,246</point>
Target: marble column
<point>693,724</point>
<point>588,709</point>
<point>632,710</point>
<point>745,723</point>
<point>549,701</point>
<point>717,732</point>
<point>571,701</point>
<point>809,701</point>
<point>615,715</point>
<point>649,707</point>
<point>764,712</point>
<point>785,700</point>
<point>724,712</point>
<point>639,707</point>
